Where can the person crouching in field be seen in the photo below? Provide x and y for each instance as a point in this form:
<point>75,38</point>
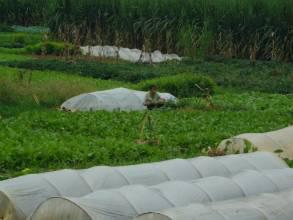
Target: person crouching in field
<point>153,99</point>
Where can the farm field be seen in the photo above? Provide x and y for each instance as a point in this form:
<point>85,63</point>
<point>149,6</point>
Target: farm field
<point>35,136</point>
<point>239,51</point>
<point>141,109</point>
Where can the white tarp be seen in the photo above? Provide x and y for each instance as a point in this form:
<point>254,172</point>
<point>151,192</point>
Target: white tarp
<point>119,99</point>
<point>132,55</point>
<point>20,196</point>
<point>273,206</point>
<point>280,142</point>
<point>129,201</point>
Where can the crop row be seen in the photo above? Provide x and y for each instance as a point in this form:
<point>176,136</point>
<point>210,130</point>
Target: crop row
<point>42,139</point>
<point>264,76</point>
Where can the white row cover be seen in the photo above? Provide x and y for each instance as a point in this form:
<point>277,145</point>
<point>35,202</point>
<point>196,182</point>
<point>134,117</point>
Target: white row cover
<point>280,141</point>
<point>132,55</point>
<point>129,201</point>
<point>20,196</point>
<point>273,206</point>
<point>119,99</point>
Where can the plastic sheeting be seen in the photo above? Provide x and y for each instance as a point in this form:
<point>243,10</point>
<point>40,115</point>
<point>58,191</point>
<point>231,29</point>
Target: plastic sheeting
<point>280,141</point>
<point>20,196</point>
<point>119,99</point>
<point>129,201</point>
<point>132,55</point>
<point>274,206</point>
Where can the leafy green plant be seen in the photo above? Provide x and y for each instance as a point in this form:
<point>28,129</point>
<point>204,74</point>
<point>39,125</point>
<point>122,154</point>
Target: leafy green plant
<point>42,139</point>
<point>37,138</point>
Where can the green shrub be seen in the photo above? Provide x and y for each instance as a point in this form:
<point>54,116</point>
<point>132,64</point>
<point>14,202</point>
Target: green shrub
<point>18,40</point>
<point>181,85</point>
<point>53,48</point>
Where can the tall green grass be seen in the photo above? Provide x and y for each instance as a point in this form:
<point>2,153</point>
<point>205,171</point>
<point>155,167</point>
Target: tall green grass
<point>48,89</point>
<point>256,29</point>
<point>201,28</point>
<point>25,12</point>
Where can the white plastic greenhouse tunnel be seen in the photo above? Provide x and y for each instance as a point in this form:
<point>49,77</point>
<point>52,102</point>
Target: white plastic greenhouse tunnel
<point>20,196</point>
<point>132,55</point>
<point>272,206</point>
<point>280,142</point>
<point>129,201</point>
<point>119,99</point>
